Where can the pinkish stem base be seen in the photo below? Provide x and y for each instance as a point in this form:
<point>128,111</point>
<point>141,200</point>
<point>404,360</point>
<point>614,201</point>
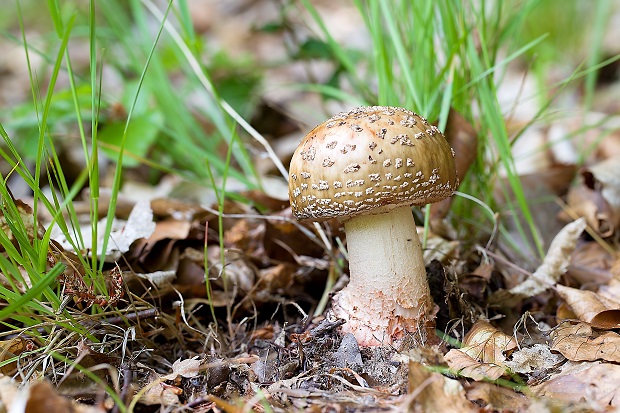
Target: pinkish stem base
<point>388,294</point>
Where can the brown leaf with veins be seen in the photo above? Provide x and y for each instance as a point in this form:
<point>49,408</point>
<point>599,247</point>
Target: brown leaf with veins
<point>432,392</point>
<point>591,307</point>
<point>579,342</point>
<point>595,383</point>
<point>483,353</point>
<point>487,344</point>
<point>466,366</point>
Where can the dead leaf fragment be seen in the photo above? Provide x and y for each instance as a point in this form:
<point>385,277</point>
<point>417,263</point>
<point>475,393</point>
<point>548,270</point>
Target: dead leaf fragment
<point>139,224</point>
<point>466,366</point>
<point>595,383</point>
<point>589,204</point>
<point>185,368</point>
<point>432,392</point>
<point>593,308</point>
<point>580,343</point>
<point>555,263</point>
<point>498,397</point>
<point>487,344</point>
<point>160,394</point>
<point>10,349</point>
<point>591,264</point>
<point>483,353</point>
<point>43,398</point>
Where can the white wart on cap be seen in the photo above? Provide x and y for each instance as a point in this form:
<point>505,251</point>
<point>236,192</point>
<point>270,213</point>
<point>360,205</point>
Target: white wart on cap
<point>370,160</point>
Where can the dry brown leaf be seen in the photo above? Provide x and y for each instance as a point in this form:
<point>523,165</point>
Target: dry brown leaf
<point>246,236</point>
<point>555,263</point>
<point>12,348</point>
<point>43,398</point>
<point>160,279</point>
<point>484,270</point>
<point>580,343</point>
<point>487,344</point>
<point>590,264</point>
<point>438,248</point>
<point>591,307</point>
<point>595,383</point>
<point>160,394</point>
<point>589,204</point>
<point>170,229</point>
<point>176,209</point>
<point>564,312</point>
<point>466,366</point>
<point>498,397</point>
<point>483,353</point>
<point>433,392</point>
<point>239,273</point>
<point>276,277</point>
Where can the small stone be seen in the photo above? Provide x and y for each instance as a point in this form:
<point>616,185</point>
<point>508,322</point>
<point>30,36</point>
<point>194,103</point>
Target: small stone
<point>348,354</point>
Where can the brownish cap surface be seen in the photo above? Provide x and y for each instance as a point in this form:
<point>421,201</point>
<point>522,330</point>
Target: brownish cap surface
<point>369,160</point>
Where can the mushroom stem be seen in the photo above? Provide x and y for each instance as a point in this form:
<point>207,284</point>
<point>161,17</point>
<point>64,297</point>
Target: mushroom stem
<point>388,294</point>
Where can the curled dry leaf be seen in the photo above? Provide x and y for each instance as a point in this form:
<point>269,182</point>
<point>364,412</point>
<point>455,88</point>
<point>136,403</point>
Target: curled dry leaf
<point>170,229</point>
<point>593,308</point>
<point>277,277</point>
<point>466,366</point>
<point>487,344</point>
<point>578,342</point>
<point>483,353</point>
<point>598,199</point>
<point>239,273</point>
<point>555,263</point>
<point>589,204</point>
<point>12,348</point>
<point>246,236</point>
<point>160,279</point>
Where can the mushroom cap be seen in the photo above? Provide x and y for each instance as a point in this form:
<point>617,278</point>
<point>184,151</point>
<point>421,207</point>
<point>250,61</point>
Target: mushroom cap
<point>367,161</point>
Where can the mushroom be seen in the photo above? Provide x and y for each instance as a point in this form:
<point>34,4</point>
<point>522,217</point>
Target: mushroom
<point>368,166</point>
